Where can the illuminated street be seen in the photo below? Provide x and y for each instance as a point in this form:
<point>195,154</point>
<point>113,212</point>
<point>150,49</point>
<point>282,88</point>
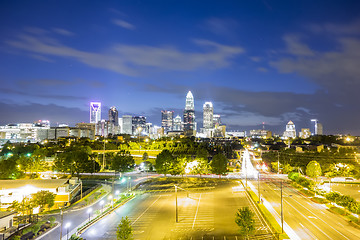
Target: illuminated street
<point>208,213</point>
<point>307,219</point>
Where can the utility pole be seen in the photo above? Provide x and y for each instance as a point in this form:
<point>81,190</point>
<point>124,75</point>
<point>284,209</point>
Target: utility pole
<point>282,212</point>
<point>176,203</point>
<point>61,225</point>
<point>259,187</point>
<point>278,163</point>
<point>104,155</point>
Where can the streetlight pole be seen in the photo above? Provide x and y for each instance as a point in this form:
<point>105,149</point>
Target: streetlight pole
<point>61,224</point>
<point>104,155</point>
<point>176,205</point>
<point>259,187</point>
<point>139,131</point>
<point>282,212</point>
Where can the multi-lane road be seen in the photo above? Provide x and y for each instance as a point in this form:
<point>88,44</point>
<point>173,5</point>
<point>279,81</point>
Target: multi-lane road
<point>203,215</point>
<point>307,219</point>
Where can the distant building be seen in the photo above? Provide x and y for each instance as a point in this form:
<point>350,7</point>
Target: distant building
<point>208,113</point>
<point>177,124</point>
<point>305,133</point>
<point>22,132</point>
<point>105,128</point>
<point>138,124</point>
<point>216,120</point>
<point>318,128</point>
<point>290,131</point>
<point>260,133</point>
<point>126,127</point>
<point>236,134</point>
<point>189,116</point>
<point>95,112</point>
<point>167,121</point>
<point>114,116</point>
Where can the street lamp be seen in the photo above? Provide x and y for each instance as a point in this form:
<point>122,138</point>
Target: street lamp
<point>89,212</point>
<point>110,197</point>
<point>139,132</point>
<point>67,226</point>
<point>105,141</point>
<point>102,205</point>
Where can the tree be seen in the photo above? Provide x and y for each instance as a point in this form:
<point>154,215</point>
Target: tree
<point>124,230</point>
<point>122,161</point>
<point>163,162</point>
<point>244,218</point>
<point>43,198</point>
<point>219,164</point>
<point>313,169</point>
<point>145,156</point>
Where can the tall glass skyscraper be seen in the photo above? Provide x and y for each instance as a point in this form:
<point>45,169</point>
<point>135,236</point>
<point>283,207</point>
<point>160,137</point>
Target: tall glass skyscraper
<point>95,112</point>
<point>189,115</point>
<point>114,116</point>
<point>208,115</point>
<point>167,120</point>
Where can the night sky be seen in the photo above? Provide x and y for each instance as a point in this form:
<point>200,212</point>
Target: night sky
<point>257,61</point>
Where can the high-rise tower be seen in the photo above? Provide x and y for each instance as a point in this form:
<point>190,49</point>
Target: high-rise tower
<point>95,112</point>
<point>167,120</point>
<point>208,115</point>
<point>114,116</point>
<point>189,116</point>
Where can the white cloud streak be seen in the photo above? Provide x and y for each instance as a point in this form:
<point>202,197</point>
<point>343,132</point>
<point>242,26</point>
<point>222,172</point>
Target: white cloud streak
<point>123,24</point>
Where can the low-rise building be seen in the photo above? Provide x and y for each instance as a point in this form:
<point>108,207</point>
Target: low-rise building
<point>65,190</point>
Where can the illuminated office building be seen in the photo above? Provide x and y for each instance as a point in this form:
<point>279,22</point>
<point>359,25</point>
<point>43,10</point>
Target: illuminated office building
<point>208,120</point>
<point>95,112</point>
<point>189,116</point>
<point>167,120</point>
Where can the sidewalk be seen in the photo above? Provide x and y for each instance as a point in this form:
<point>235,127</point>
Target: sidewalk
<point>91,198</point>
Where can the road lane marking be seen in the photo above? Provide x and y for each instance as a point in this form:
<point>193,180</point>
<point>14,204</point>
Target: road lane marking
<point>197,209</point>
<point>145,211</point>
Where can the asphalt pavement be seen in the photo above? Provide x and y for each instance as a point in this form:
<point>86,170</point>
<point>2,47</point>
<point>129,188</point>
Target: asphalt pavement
<point>203,215</point>
<point>307,219</point>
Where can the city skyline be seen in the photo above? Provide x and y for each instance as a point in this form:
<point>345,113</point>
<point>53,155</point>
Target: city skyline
<point>255,61</point>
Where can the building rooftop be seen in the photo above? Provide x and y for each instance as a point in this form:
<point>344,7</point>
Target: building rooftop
<point>38,183</point>
<point>5,214</point>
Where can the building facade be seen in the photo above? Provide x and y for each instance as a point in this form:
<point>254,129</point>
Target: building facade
<point>138,124</point>
<point>167,121</point>
<point>189,116</point>
<point>95,112</point>
<point>290,131</point>
<point>177,124</point>
<point>208,113</point>
<point>114,116</point>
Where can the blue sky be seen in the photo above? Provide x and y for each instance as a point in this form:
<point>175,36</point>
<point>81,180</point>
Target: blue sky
<point>257,61</point>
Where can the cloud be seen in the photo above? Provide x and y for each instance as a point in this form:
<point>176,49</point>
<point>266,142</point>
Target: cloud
<point>262,69</point>
<point>132,60</point>
<point>41,95</point>
<point>295,47</point>
<point>33,111</point>
<point>62,31</point>
<point>220,26</point>
<point>352,28</point>
<point>123,24</point>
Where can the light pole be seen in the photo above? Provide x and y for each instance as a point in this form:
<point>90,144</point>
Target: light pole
<point>89,212</point>
<point>102,205</point>
<point>139,131</point>
<point>259,187</point>
<point>110,197</point>
<point>105,141</point>
<point>67,226</point>
<point>61,224</point>
<point>176,205</point>
<point>282,212</point>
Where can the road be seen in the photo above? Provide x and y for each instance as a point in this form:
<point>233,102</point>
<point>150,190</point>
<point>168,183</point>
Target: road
<point>202,215</point>
<point>76,217</point>
<point>306,218</point>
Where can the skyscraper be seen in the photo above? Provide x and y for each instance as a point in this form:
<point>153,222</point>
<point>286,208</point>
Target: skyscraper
<point>216,120</point>
<point>177,124</point>
<point>126,127</point>
<point>138,124</point>
<point>290,131</point>
<point>167,120</point>
<point>114,116</point>
<point>189,115</point>
<point>208,115</point>
<point>95,112</point>
<point>318,129</point>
